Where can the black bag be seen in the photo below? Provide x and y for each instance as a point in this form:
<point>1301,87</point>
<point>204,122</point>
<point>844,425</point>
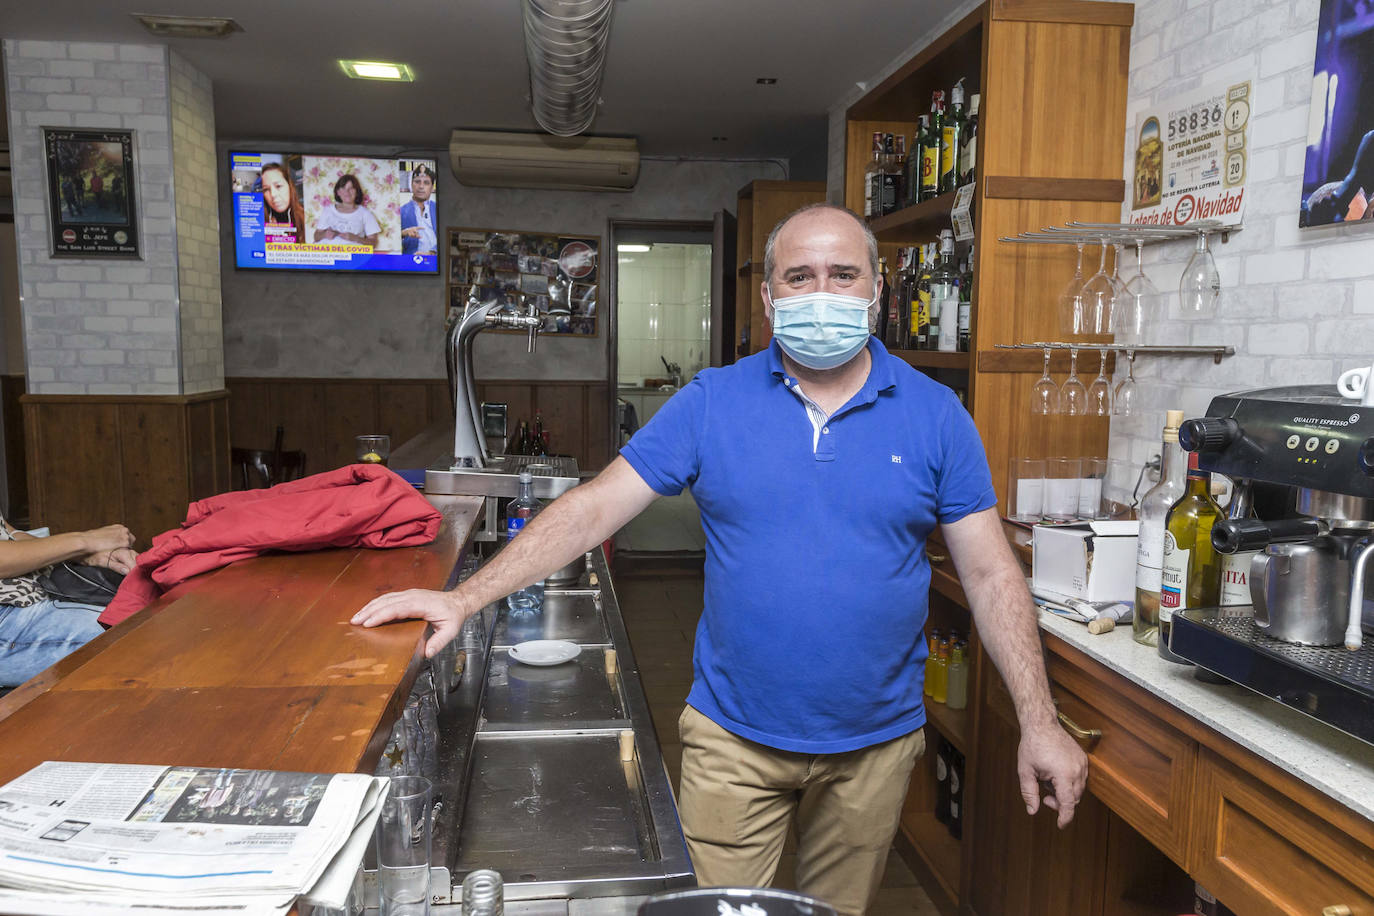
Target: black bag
<point>94,585</point>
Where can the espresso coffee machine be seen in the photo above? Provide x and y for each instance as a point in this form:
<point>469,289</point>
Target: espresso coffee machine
<point>1302,640</point>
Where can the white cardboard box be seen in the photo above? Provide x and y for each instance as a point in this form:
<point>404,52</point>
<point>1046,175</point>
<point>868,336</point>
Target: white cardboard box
<point>1094,561</point>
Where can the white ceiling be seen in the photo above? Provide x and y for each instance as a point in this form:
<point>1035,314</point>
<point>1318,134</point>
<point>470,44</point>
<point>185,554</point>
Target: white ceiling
<point>679,73</point>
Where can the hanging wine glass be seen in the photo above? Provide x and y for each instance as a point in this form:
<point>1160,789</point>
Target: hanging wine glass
<point>1124,403</point>
<point>1100,391</point>
<point>1073,396</point>
<point>1045,393</point>
<point>1199,289</point>
<point>1070,303</point>
<point>1140,305</point>
<point>1097,299</point>
<point>1118,288</point>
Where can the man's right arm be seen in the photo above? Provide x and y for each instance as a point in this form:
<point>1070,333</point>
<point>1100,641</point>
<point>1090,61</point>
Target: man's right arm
<point>578,520</point>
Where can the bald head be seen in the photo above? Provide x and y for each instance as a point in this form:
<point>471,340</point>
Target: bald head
<point>826,217</point>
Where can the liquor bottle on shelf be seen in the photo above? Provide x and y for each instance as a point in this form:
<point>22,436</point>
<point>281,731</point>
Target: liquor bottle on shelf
<point>1154,509</point>
<point>930,320</point>
<point>901,330</point>
<point>968,149</point>
<point>521,443</point>
<point>914,160</point>
<point>933,647</point>
<point>537,436</point>
<point>951,131</point>
<point>1235,567</point>
<point>956,794</point>
<point>518,514</point>
<point>930,147</point>
<point>892,176</point>
<point>944,293</point>
<point>941,691</point>
<point>942,753</point>
<point>956,687</point>
<point>965,301</point>
<point>1192,570</point>
<point>873,178</point>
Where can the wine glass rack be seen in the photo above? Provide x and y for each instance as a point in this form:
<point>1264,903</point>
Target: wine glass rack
<point>1217,352</point>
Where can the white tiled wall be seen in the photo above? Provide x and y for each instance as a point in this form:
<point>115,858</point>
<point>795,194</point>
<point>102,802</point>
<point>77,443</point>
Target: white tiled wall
<point>663,310</point>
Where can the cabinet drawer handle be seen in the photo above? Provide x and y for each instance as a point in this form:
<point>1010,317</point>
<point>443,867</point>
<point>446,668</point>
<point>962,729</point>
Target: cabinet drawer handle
<point>1090,735</point>
<point>936,558</point>
<point>1339,909</point>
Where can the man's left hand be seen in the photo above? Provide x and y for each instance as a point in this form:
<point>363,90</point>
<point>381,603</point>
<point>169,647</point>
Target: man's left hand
<point>1048,755</point>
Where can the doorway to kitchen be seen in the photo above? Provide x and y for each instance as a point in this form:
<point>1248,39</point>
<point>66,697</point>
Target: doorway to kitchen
<point>663,322</point>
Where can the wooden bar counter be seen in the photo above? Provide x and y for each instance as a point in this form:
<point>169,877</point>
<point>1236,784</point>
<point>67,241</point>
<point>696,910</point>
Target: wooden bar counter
<point>254,665</point>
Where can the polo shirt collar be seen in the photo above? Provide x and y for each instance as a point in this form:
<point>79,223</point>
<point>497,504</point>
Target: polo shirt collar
<point>880,374</point>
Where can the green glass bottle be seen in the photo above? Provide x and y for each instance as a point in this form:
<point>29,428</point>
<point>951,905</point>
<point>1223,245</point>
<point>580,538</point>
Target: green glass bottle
<point>1192,567</point>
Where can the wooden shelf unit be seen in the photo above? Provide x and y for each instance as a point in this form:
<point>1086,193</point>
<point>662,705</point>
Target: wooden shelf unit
<point>1052,81</point>
<point>760,205</point>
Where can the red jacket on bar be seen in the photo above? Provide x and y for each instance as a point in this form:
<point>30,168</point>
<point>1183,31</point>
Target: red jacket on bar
<point>360,505</point>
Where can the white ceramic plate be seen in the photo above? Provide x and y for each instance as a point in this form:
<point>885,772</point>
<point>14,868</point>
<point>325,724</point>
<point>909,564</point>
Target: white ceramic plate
<point>545,652</point>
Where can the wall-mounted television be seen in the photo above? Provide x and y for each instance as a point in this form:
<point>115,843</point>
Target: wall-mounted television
<point>295,211</point>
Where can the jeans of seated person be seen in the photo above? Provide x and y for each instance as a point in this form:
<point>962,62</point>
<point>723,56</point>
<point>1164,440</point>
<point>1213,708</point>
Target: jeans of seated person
<point>34,637</point>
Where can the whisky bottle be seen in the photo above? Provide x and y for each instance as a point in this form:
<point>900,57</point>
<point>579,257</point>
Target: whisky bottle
<point>968,148</point>
<point>899,173</point>
<point>1154,510</point>
<point>887,201</point>
<point>951,130</point>
<point>873,178</point>
<point>1191,576</point>
<point>930,147</point>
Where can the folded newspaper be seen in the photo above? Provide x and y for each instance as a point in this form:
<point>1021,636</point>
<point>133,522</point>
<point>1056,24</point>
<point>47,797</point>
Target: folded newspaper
<point>92,838</point>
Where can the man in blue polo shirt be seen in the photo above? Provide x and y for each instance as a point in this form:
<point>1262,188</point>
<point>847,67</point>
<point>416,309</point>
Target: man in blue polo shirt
<point>820,466</point>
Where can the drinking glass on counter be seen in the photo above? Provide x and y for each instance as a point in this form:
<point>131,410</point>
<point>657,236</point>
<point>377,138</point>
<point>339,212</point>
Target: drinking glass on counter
<point>404,834</point>
<point>1062,482</point>
<point>372,449</point>
<point>1026,489</point>
<point>1094,471</point>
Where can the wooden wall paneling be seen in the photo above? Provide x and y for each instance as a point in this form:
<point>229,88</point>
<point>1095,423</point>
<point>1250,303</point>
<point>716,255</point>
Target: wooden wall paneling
<point>599,449</point>
<point>153,455</point>
<point>12,388</point>
<point>298,405</point>
<point>402,409</point>
<point>517,396</point>
<point>251,417</point>
<point>350,409</point>
<point>1054,86</point>
<point>74,465</point>
<point>440,402</point>
<point>563,410</point>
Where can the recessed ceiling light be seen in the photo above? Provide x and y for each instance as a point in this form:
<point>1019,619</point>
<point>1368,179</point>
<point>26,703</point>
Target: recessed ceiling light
<point>377,70</point>
<point>187,26</point>
<point>766,80</point>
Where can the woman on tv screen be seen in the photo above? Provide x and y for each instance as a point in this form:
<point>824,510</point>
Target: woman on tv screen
<point>283,213</point>
<point>348,220</point>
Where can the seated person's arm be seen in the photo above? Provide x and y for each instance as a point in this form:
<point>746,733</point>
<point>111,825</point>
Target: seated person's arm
<point>107,546</point>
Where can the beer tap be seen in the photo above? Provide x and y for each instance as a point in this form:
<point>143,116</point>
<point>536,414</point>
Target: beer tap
<point>469,441</point>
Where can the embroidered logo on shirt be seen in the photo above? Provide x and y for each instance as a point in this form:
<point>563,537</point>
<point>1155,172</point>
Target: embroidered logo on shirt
<point>896,459</point>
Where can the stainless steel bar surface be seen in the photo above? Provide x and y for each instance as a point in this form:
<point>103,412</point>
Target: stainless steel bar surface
<point>547,799</point>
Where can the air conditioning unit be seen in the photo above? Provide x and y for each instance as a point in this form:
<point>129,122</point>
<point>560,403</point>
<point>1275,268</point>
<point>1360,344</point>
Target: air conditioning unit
<point>492,159</point>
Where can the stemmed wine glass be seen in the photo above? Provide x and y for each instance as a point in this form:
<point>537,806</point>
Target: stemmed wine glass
<point>1100,391</point>
<point>1123,405</point>
<point>1097,298</point>
<point>1138,306</point>
<point>1045,393</point>
<point>1073,397</point>
<point>1071,315</point>
<point>1199,289</point>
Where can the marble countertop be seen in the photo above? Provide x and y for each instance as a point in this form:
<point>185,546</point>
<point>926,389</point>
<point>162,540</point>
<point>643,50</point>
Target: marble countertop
<point>1328,760</point>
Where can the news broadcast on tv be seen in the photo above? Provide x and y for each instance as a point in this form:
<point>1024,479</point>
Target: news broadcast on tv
<point>335,213</point>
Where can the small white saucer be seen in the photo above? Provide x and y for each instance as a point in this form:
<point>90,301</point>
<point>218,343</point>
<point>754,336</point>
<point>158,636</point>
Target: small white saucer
<point>545,652</point>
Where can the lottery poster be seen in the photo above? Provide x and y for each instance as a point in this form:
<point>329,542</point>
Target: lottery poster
<point>1191,158</point>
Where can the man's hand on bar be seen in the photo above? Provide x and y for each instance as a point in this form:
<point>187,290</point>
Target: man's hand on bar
<point>445,611</point>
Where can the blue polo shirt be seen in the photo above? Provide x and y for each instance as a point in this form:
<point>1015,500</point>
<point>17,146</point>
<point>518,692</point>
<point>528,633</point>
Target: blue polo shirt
<point>816,575</point>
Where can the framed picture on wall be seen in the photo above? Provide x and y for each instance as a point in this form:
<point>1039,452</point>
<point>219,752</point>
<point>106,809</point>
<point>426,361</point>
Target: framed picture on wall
<point>558,274</point>
<point>1338,174</point>
<point>91,179</point>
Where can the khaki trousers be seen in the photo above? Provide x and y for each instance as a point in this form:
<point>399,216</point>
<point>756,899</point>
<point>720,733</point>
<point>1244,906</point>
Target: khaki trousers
<point>738,799</point>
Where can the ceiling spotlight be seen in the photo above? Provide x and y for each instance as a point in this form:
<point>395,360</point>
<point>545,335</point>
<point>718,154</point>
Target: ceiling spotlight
<point>377,70</point>
<point>187,26</point>
<point>766,80</point>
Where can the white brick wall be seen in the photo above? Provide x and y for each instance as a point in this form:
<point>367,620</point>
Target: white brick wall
<point>77,312</point>
<point>197,218</point>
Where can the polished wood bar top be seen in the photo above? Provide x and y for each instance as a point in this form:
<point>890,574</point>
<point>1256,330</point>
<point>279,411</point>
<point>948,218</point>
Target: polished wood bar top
<point>254,665</point>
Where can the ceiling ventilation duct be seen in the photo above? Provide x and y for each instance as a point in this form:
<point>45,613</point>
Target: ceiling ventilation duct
<point>565,42</point>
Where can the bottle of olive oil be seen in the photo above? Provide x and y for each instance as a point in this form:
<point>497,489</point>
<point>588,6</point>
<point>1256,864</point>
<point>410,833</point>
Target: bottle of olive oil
<point>1154,510</point>
<point>1191,577</point>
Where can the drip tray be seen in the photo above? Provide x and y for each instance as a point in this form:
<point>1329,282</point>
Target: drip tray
<point>1333,685</point>
<point>553,476</point>
<point>574,617</point>
<point>575,694</point>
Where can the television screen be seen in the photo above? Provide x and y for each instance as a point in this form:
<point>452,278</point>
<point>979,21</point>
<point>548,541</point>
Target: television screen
<point>295,211</point>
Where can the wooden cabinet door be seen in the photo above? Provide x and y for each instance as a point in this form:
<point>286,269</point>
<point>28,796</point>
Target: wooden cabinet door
<point>1264,853</point>
<point>1022,864</point>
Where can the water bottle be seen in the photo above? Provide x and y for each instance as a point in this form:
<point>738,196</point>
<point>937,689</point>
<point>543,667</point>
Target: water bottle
<point>518,513</point>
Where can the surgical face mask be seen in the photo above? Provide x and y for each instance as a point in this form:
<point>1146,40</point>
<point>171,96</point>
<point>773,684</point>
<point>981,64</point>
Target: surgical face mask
<point>821,330</point>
